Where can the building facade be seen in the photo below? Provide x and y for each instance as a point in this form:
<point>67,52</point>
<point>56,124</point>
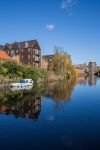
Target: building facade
<point>26,53</point>
<point>46,61</point>
<point>44,64</point>
<point>81,69</point>
<point>48,57</point>
<point>92,67</point>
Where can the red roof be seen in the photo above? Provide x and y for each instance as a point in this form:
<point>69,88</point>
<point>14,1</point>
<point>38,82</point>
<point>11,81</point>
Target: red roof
<point>4,55</point>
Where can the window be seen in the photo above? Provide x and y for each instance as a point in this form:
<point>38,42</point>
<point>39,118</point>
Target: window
<point>12,53</point>
<point>28,49</point>
<point>36,58</point>
<point>36,51</point>
<point>13,57</point>
<point>16,51</point>
<point>28,56</point>
<point>50,60</point>
<point>22,56</point>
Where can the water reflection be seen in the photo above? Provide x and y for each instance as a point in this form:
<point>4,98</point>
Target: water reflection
<point>28,104</point>
<point>60,91</point>
<point>25,104</point>
<point>91,80</point>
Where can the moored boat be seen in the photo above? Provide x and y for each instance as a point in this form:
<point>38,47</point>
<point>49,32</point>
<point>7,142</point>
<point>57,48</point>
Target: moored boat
<point>23,83</point>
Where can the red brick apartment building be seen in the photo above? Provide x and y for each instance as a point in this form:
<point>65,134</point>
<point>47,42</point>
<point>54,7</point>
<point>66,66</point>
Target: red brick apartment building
<point>26,52</point>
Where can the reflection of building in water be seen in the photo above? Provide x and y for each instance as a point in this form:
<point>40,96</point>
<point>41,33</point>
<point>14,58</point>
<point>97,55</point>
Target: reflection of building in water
<point>82,80</point>
<point>29,108</point>
<point>92,80</point>
<point>60,90</point>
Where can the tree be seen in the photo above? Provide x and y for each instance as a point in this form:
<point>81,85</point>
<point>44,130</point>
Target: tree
<point>62,64</point>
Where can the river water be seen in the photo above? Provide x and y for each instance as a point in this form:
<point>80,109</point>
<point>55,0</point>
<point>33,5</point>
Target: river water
<point>59,115</point>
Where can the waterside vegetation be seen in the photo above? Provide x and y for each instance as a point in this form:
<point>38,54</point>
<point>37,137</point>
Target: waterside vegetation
<point>12,70</point>
<point>98,71</point>
<point>61,67</point>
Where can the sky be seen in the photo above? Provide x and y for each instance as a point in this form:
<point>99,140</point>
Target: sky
<point>73,25</point>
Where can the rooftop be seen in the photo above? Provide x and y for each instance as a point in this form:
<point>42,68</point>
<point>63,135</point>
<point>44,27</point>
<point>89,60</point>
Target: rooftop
<point>19,44</point>
<point>3,55</point>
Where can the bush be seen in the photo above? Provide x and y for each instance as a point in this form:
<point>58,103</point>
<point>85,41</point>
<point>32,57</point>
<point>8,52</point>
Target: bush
<point>14,70</point>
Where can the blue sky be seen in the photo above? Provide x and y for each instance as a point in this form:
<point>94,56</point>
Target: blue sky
<point>73,25</point>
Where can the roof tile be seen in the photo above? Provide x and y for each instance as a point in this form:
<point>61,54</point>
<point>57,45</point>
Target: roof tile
<point>3,55</point>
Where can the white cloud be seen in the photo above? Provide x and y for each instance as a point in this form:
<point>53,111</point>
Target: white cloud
<point>68,3</point>
<point>50,26</point>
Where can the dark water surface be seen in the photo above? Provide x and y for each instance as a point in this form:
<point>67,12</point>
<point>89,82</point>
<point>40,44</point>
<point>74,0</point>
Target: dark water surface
<point>60,115</point>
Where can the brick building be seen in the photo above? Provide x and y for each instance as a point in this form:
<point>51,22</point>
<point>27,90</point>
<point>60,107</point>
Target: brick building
<point>81,69</point>
<point>46,61</point>
<point>26,52</point>
<point>92,67</point>
<point>44,64</point>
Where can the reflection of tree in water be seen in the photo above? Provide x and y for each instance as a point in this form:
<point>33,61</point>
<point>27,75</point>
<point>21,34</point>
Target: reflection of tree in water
<point>22,104</point>
<point>60,90</point>
<point>27,104</point>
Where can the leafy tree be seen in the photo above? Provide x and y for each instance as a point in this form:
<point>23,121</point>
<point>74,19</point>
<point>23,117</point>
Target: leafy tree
<point>62,65</point>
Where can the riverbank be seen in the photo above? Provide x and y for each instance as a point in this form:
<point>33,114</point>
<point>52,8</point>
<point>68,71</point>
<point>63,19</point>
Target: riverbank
<point>13,71</point>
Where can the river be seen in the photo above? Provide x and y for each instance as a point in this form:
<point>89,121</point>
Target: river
<point>59,115</point>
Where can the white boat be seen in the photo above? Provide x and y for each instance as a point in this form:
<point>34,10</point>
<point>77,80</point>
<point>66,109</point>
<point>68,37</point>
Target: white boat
<point>28,88</point>
<point>23,83</point>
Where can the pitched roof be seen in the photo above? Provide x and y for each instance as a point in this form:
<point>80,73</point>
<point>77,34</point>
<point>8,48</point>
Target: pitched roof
<point>20,44</point>
<point>30,43</point>
<point>47,56</point>
<point>3,55</point>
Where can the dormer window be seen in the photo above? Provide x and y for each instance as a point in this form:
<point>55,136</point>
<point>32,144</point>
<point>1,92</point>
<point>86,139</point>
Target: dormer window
<point>12,53</point>
<point>26,44</point>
